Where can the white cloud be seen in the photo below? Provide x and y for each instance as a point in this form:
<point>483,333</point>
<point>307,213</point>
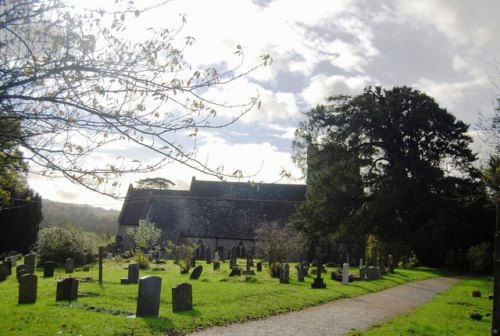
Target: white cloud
<point>321,87</point>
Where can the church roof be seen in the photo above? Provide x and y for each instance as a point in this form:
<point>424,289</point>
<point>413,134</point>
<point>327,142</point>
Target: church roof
<point>212,208</point>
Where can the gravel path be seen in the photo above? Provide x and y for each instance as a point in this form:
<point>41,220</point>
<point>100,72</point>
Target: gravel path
<point>341,316</point>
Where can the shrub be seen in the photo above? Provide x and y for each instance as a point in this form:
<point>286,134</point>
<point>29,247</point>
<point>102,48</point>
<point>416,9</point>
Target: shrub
<point>142,260</point>
<point>183,254</point>
<point>59,243</point>
<point>479,257</point>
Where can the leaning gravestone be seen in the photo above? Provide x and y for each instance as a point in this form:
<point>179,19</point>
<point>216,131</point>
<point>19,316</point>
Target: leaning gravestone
<point>148,300</point>
<point>69,265</point>
<point>30,262</point>
<point>67,289</point>
<point>27,288</point>
<point>48,269</point>
<point>284,274</point>
<point>182,297</point>
<point>196,273</point>
<point>345,273</point>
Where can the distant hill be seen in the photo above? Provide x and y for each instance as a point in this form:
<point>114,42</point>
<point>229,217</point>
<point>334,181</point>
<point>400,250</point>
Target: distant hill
<point>86,217</point>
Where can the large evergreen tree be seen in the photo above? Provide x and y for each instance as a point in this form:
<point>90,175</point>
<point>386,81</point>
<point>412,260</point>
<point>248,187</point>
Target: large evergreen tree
<point>390,163</point>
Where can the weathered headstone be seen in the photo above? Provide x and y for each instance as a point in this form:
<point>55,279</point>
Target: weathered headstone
<point>216,265</point>
<point>390,263</point>
<point>21,270</point>
<point>69,265</point>
<point>248,270</point>
<point>216,256</point>
<point>109,256</point>
<point>30,262</point>
<point>67,289</point>
<point>318,280</point>
<point>48,269</point>
<point>235,271</point>
<point>345,273</point>
<point>373,273</point>
<point>300,272</point>
<point>232,260</point>
<point>284,273</point>
<point>148,300</point>
<point>27,288</point>
<point>7,267</point>
<point>259,266</point>
<point>182,297</point>
<point>133,273</point>
<point>13,260</point>
<point>195,275</point>
<point>208,255</point>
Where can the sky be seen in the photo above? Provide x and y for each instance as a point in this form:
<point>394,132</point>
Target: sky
<point>448,49</point>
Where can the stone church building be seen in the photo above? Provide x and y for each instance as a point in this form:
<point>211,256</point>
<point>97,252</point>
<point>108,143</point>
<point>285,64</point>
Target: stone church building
<point>211,214</point>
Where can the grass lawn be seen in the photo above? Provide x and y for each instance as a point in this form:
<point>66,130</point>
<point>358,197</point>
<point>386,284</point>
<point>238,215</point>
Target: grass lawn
<point>105,309</point>
<point>446,314</point>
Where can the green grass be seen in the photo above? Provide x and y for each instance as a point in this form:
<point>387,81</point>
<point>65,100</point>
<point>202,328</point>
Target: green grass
<point>217,299</point>
<point>446,314</point>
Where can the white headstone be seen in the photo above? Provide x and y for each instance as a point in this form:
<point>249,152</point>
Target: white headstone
<point>345,274</point>
<point>216,257</point>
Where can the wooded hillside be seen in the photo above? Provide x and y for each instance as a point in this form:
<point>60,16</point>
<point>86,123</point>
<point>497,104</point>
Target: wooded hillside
<point>86,217</point>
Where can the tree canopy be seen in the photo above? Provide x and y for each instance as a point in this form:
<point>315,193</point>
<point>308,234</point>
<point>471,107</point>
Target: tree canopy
<point>74,84</point>
<point>386,162</point>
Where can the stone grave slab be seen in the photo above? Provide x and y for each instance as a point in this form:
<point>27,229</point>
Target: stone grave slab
<point>148,299</point>
<point>182,297</point>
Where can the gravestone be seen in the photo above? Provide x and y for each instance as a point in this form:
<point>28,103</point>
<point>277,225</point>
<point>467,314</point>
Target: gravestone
<point>48,269</point>
<point>373,273</point>
<point>390,263</point>
<point>259,266</point>
<point>148,300</point>
<point>345,273</point>
<point>232,259</point>
<point>248,270</point>
<point>216,257</point>
<point>133,273</point>
<point>27,288</point>
<point>318,280</point>
<point>362,273</point>
<point>13,260</point>
<point>69,265</point>
<point>200,252</point>
<point>182,297</point>
<point>196,273</point>
<point>67,289</point>
<point>30,262</point>
<point>6,267</point>
<point>192,262</point>
<point>235,271</point>
<point>284,274</point>
<point>300,272</point>
<point>216,265</point>
<point>21,270</point>
<point>109,256</point>
<point>208,255</point>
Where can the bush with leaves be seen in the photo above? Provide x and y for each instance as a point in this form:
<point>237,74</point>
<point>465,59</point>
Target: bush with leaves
<point>278,243</point>
<point>59,243</point>
<point>183,254</point>
<point>480,257</point>
<point>146,236</point>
